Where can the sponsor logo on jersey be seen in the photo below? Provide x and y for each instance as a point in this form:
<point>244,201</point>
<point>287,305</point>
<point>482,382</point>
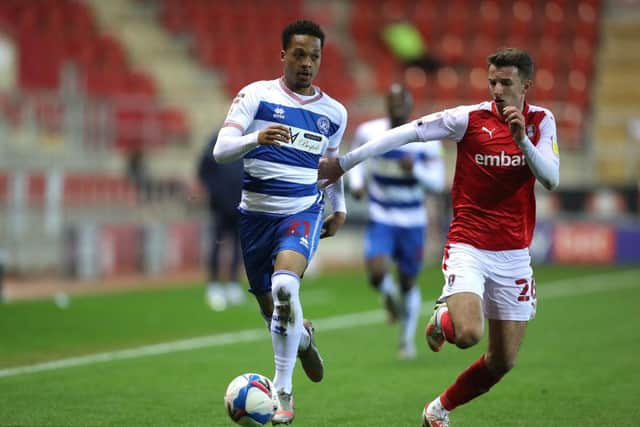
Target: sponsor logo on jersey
<point>304,140</point>
<point>503,159</point>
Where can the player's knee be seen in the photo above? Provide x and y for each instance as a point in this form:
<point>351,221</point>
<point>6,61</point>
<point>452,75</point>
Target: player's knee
<point>375,280</point>
<point>284,287</point>
<point>406,283</point>
<point>499,366</point>
<point>468,336</point>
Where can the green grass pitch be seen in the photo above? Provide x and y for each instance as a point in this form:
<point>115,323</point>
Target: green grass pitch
<point>162,358</point>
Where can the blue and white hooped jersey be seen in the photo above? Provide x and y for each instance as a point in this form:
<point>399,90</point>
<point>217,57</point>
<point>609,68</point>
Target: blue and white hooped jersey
<point>283,179</point>
<point>396,197</point>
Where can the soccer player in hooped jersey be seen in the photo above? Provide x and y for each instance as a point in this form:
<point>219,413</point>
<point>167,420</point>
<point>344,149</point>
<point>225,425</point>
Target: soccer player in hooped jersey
<point>503,147</point>
<point>395,183</point>
<point>281,128</point>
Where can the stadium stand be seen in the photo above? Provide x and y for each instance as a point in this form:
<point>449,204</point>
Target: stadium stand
<point>65,32</point>
<point>157,76</point>
<point>461,40</point>
<point>616,147</point>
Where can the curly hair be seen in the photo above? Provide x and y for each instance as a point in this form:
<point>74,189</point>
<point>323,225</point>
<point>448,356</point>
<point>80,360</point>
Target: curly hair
<point>305,27</point>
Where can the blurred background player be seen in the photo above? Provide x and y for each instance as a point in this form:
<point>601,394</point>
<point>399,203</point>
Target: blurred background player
<point>395,183</point>
<point>504,146</point>
<point>223,184</point>
<point>281,128</point>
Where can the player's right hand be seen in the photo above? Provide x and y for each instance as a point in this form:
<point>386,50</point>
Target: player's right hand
<point>329,169</point>
<point>274,135</point>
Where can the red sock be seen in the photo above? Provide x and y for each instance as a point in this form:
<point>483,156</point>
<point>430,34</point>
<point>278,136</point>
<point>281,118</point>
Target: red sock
<point>447,327</point>
<point>474,381</point>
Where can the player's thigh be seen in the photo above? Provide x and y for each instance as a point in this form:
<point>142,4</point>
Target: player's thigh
<point>378,240</point>
<point>297,238</point>
<point>377,266</point>
<point>511,296</point>
<point>257,240</point>
<point>409,250</point>
<point>505,338</point>
<point>464,287</point>
<point>465,309</point>
<point>291,260</point>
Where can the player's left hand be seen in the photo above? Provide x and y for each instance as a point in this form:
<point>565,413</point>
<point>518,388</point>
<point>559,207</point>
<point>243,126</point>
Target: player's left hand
<point>332,224</point>
<point>515,120</point>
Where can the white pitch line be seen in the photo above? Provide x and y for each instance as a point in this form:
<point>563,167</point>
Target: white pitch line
<point>556,289</point>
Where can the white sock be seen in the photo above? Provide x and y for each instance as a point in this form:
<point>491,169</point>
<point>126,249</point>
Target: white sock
<point>412,301</point>
<point>286,326</point>
<point>388,286</point>
<point>435,407</point>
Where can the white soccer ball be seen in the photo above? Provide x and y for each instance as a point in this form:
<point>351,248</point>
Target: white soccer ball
<point>250,400</point>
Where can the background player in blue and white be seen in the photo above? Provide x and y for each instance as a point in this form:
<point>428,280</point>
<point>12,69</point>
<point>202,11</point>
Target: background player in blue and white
<point>281,128</point>
<point>395,183</point>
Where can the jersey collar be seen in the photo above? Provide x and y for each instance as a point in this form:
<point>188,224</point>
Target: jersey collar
<point>494,109</point>
<point>297,97</point>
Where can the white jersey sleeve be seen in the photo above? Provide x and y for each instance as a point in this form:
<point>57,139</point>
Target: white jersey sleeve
<point>232,144</point>
<point>357,175</point>
<point>243,108</point>
<point>335,191</point>
<point>544,158</point>
<point>448,124</point>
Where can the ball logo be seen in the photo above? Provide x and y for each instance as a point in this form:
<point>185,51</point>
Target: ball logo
<point>324,125</point>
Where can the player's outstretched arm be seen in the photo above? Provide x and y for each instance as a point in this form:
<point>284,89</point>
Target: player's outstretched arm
<point>333,168</point>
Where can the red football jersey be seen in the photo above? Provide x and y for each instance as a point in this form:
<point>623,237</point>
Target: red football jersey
<point>493,188</point>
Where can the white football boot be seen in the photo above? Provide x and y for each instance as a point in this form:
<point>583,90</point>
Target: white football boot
<point>433,332</point>
<point>434,415</point>
<point>284,413</point>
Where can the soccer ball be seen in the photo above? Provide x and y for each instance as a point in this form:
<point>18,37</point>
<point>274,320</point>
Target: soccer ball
<point>250,400</point>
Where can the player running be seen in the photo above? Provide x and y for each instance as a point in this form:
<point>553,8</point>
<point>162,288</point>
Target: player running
<point>395,183</point>
<point>503,146</point>
<point>281,128</point>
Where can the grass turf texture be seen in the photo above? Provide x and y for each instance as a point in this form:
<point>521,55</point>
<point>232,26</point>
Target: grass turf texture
<point>578,364</point>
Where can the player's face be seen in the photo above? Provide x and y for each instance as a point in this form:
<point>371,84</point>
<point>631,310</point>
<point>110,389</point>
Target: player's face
<point>506,86</point>
<point>301,62</point>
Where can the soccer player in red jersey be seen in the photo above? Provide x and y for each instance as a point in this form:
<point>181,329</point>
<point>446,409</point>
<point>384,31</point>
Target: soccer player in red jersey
<point>503,147</point>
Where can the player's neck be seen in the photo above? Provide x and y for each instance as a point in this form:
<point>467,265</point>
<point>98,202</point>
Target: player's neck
<point>304,91</point>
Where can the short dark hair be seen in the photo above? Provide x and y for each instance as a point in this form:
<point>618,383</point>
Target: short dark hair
<point>511,56</point>
<point>305,27</point>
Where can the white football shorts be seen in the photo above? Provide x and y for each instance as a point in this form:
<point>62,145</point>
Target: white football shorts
<point>503,280</point>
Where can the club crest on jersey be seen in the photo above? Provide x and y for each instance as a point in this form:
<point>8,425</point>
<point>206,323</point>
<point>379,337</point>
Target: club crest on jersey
<point>531,131</point>
<point>324,125</point>
<point>278,113</point>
